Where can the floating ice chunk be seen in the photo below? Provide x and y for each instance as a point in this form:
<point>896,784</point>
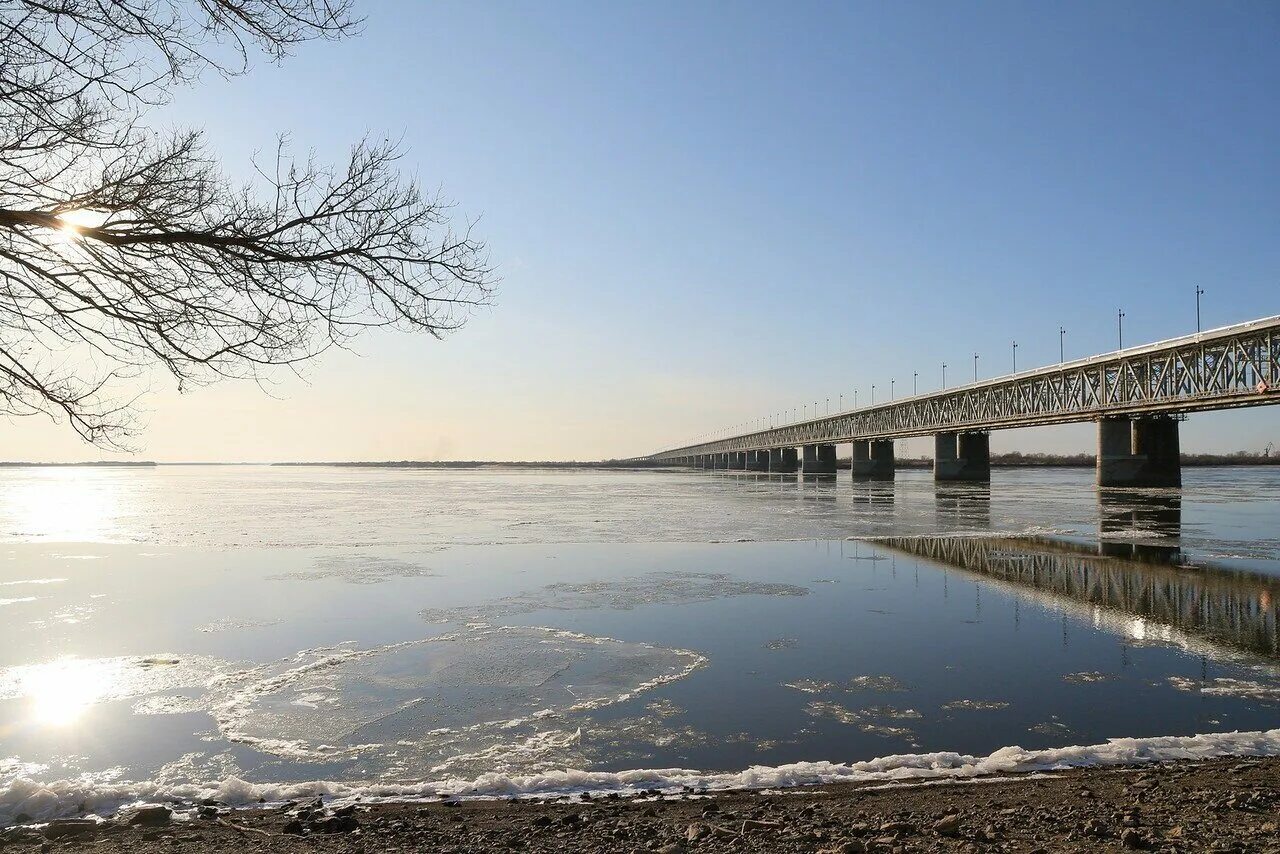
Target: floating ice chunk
<point>1086,676</point>
<point>1225,686</point>
<point>975,705</point>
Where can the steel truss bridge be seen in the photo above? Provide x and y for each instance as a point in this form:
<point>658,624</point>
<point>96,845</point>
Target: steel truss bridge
<point>1231,367</point>
<point>1202,601</point>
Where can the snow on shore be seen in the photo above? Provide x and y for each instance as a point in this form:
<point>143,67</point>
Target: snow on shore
<point>47,800</point>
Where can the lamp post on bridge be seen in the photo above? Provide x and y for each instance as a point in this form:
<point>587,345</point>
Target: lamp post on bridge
<point>1062,333</point>
<point>914,376</point>
<point>975,367</point>
<point>891,382</point>
<point>1015,357</point>
<point>944,374</point>
<point>873,394</point>
<point>1199,292</point>
<point>1120,327</point>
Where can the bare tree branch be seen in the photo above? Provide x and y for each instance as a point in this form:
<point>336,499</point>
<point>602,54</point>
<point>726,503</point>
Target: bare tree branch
<point>122,247</point>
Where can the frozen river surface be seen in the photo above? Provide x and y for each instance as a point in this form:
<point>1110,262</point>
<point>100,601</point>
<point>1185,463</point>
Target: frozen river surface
<point>247,632</point>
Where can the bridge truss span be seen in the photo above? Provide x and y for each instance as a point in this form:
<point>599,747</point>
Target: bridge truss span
<point>1231,367</point>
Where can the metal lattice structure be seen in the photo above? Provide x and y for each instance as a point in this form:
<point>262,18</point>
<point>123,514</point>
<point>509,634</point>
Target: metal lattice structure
<point>1238,609</point>
<point>1235,366</point>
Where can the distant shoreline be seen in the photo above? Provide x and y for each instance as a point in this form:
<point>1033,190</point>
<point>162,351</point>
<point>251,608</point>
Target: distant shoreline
<point>1012,460</point>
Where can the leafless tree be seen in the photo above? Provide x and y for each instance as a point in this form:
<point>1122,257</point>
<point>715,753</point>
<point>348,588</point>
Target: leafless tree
<point>123,247</point>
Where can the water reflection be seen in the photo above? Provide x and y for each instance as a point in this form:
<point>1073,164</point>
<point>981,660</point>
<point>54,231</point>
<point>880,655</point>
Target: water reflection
<point>1128,521</point>
<point>1185,602</point>
<point>876,493</point>
<point>963,505</point>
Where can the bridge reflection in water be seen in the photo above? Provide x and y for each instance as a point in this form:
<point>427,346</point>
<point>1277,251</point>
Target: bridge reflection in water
<point>1146,592</point>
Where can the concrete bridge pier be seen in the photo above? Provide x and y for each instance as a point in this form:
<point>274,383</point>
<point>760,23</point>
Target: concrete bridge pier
<point>757,460</point>
<point>782,460</point>
<point>819,459</point>
<point>873,459</point>
<point>962,456</point>
<point>1139,452</point>
<point>738,460</point>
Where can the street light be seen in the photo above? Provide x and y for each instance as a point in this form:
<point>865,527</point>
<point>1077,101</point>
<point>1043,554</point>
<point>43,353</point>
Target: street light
<point>944,374</point>
<point>1199,291</point>
<point>1061,334</point>
<point>873,394</point>
<point>914,375</point>
<point>1015,357</point>
<point>975,367</point>
<point>891,382</point>
<point>1120,327</point>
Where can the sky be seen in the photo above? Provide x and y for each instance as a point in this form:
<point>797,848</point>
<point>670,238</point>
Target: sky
<point>703,213</point>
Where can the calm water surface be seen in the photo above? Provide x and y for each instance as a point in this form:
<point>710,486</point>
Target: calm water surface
<point>191,624</point>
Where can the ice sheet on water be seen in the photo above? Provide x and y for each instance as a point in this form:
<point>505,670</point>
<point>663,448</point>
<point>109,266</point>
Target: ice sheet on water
<point>227,624</point>
<point>445,696</point>
<point>357,568</point>
<point>654,588</point>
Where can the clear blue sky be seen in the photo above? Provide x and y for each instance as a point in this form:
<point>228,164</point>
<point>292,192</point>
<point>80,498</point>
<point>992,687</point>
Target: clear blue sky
<point>707,212</point>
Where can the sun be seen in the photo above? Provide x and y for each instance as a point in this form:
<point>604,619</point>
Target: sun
<point>73,222</point>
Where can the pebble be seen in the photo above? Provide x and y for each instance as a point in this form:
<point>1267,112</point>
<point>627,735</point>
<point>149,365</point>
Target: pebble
<point>947,825</point>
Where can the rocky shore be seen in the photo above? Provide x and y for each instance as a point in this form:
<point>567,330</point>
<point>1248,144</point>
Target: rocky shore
<point>1229,805</point>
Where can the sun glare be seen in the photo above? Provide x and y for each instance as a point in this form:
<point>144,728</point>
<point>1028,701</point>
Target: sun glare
<point>61,691</point>
<point>62,504</point>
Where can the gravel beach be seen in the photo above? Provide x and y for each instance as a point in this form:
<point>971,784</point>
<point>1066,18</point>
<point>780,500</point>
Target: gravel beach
<point>1228,805</point>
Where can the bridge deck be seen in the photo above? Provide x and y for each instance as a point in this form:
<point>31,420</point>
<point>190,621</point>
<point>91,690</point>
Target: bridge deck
<point>1231,367</point>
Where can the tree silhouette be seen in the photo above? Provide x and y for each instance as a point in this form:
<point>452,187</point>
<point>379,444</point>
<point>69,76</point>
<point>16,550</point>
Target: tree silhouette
<point>123,247</point>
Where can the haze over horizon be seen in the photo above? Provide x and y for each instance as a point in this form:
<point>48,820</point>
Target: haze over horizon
<point>700,219</point>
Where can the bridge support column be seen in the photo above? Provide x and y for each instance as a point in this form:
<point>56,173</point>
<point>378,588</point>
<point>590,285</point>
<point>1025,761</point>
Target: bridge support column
<point>962,456</point>
<point>757,460</point>
<point>782,460</point>
<point>738,460</point>
<point>873,459</point>
<point>1139,452</point>
<point>819,459</point>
